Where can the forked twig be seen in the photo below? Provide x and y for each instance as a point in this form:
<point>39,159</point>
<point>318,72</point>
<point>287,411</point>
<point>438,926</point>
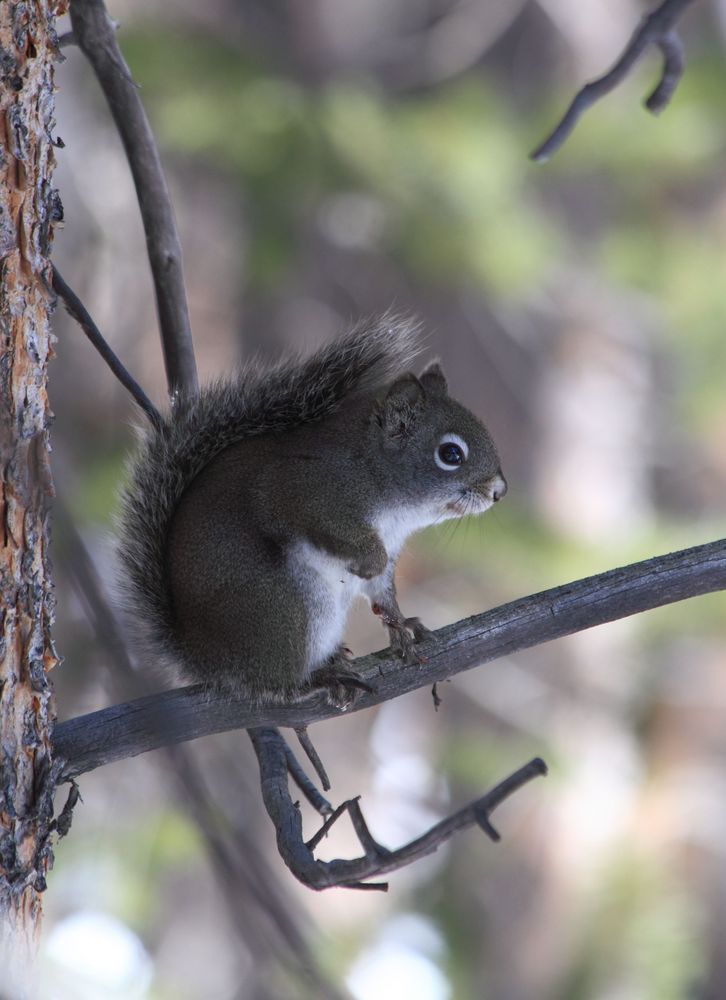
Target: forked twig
<point>376,859</point>
<point>324,829</point>
<point>656,28</point>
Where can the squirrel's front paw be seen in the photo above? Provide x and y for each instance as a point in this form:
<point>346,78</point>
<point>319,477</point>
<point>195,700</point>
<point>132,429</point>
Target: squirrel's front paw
<point>368,565</point>
<point>404,634</point>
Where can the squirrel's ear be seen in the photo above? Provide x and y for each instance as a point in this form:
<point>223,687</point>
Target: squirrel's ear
<point>433,380</point>
<point>398,411</point>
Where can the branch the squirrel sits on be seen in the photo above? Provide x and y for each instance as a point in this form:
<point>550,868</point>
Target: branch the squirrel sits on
<point>257,511</point>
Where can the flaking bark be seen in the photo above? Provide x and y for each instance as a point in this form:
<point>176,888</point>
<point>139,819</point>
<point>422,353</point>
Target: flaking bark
<point>29,208</point>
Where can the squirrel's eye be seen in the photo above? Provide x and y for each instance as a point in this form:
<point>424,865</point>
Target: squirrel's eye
<point>451,452</point>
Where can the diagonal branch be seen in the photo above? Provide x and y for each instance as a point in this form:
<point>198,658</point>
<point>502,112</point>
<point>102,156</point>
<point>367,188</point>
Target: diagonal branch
<point>135,727</point>
<point>95,35</point>
<point>80,314</point>
<point>657,29</point>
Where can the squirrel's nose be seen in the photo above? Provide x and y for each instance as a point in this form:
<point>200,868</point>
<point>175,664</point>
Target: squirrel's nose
<point>499,488</point>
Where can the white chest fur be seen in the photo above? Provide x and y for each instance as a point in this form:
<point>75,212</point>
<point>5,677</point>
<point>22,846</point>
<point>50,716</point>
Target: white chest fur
<point>396,524</point>
<point>330,588</point>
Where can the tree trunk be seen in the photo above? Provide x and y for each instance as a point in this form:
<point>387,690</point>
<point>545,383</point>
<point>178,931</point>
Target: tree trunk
<point>29,207</point>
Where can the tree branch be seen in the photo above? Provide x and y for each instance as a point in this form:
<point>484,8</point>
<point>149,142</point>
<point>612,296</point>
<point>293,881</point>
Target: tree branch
<point>96,37</point>
<point>80,314</point>
<point>376,859</point>
<point>656,28</point>
<point>135,727</point>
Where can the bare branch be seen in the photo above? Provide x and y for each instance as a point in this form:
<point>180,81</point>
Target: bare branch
<point>327,825</point>
<point>158,720</point>
<point>674,61</point>
<point>96,37</point>
<point>376,859</point>
<point>656,28</point>
<point>313,756</point>
<point>80,314</point>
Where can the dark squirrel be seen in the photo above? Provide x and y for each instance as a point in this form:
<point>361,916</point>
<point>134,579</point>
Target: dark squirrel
<point>259,510</point>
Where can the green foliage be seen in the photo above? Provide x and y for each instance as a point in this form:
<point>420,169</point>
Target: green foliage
<point>446,168</point>
<point>459,201</point>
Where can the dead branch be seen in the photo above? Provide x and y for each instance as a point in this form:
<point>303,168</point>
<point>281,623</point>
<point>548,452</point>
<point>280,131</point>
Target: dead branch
<point>158,720</point>
<point>80,314</point>
<point>656,29</point>
<point>319,803</point>
<point>95,35</point>
<point>313,756</point>
<point>376,860</point>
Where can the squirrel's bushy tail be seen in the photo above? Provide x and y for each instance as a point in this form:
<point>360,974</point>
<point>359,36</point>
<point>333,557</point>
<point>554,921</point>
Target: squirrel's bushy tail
<point>257,401</point>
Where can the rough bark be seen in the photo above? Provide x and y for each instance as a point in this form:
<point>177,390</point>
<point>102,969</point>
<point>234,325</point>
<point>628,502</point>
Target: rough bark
<point>29,207</point>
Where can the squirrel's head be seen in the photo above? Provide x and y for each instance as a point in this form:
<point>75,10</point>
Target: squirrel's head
<point>435,449</point>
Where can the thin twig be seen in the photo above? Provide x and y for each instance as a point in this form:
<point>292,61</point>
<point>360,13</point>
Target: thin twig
<point>135,727</point>
<point>656,28</point>
<point>319,803</point>
<point>96,37</point>
<point>674,62</point>
<point>325,828</point>
<point>80,314</point>
<point>313,756</point>
<point>373,850</point>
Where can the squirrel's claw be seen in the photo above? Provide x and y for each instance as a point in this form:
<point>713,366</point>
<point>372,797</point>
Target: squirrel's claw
<point>341,686</point>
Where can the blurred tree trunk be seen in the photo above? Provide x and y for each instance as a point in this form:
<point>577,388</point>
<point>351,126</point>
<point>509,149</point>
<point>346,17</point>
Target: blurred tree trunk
<point>28,209</point>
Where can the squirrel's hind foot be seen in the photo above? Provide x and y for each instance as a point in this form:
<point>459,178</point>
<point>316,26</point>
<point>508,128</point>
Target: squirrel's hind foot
<point>342,686</point>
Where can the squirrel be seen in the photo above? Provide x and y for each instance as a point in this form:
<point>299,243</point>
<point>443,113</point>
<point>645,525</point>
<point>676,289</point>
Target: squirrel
<point>257,511</point>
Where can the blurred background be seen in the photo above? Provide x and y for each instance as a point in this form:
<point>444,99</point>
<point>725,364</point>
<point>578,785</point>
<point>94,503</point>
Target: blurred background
<point>332,159</point>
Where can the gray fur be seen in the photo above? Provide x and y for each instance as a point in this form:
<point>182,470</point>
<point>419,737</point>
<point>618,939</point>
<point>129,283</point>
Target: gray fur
<point>259,511</point>
<point>258,400</point>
